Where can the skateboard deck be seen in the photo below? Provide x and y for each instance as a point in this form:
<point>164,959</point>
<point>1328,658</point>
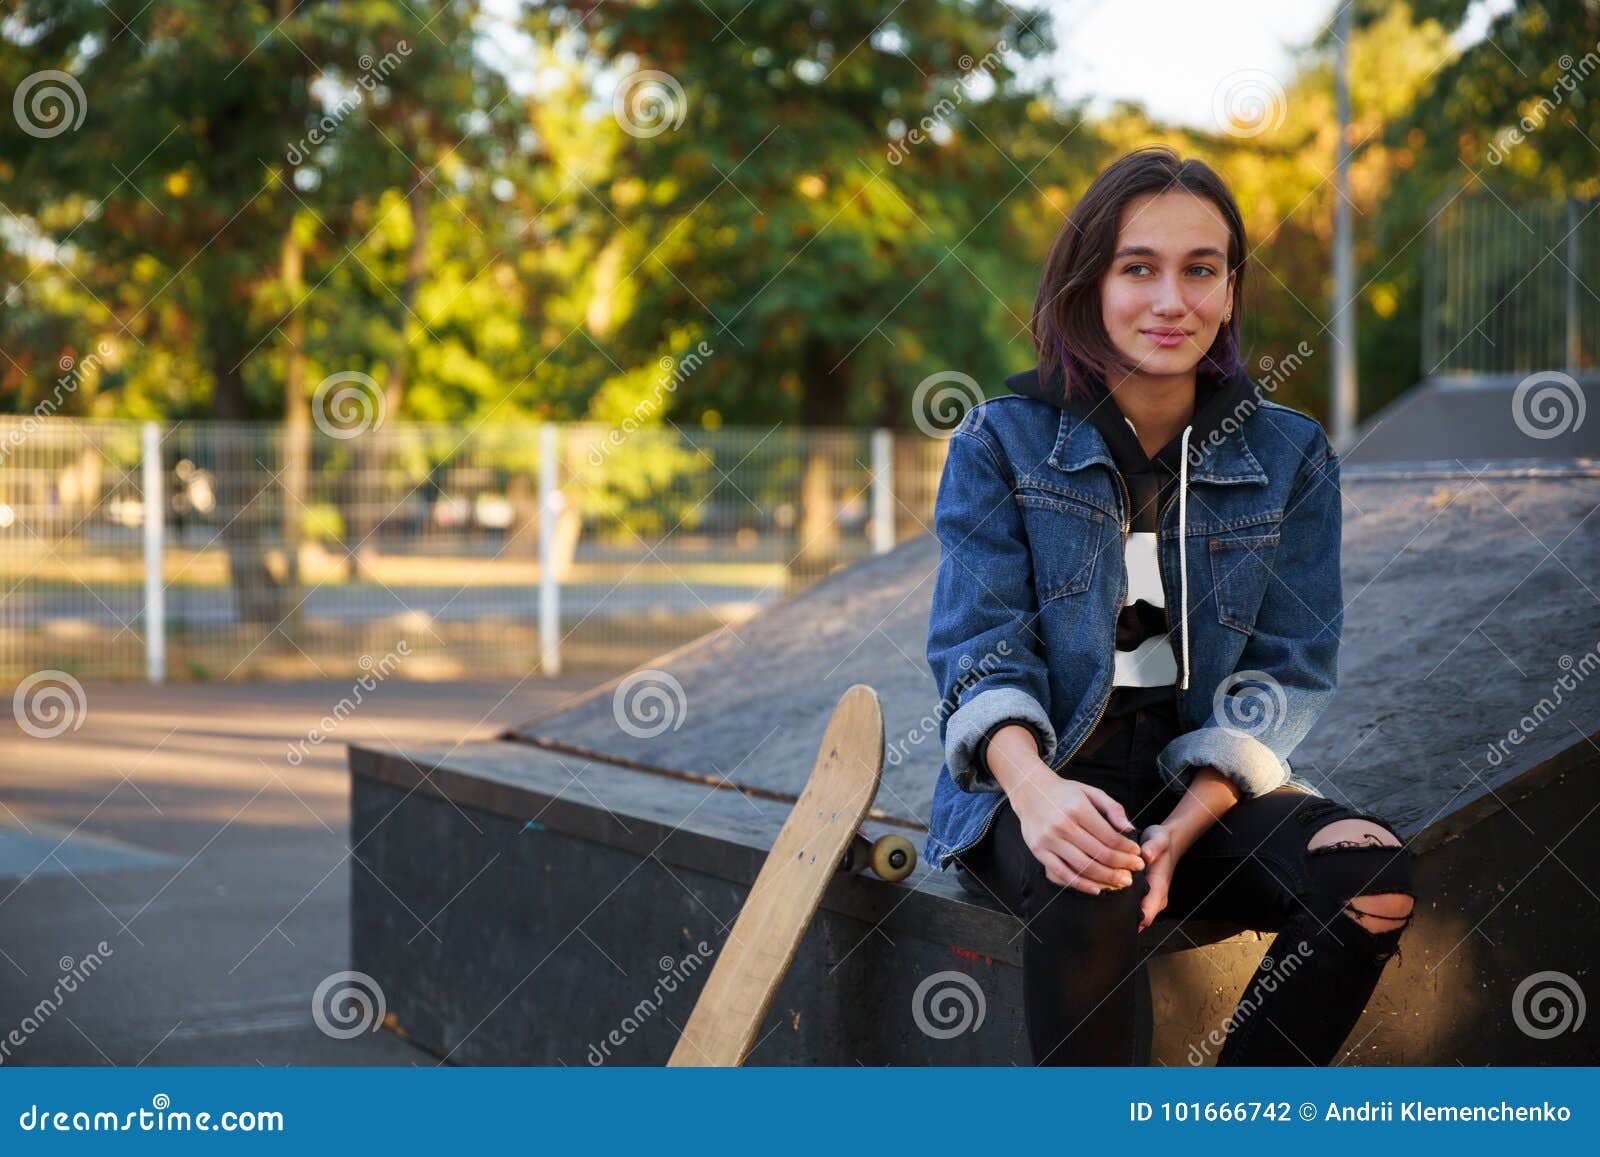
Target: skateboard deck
<point>821,837</point>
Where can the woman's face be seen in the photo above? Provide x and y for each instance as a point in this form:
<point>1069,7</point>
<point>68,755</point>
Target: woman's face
<point>1164,295</point>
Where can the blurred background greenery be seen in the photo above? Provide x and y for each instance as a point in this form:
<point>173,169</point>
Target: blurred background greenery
<point>514,210</point>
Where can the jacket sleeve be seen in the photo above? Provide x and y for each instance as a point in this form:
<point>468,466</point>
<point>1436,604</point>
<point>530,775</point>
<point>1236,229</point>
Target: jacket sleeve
<point>982,643</point>
<point>1288,670</point>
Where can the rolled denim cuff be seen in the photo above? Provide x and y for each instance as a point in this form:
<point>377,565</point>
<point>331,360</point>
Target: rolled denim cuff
<point>968,728</point>
<point>1254,768</point>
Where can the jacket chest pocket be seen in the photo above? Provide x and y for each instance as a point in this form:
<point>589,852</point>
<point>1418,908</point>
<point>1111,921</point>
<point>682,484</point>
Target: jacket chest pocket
<point>1241,567</point>
<point>1064,538</point>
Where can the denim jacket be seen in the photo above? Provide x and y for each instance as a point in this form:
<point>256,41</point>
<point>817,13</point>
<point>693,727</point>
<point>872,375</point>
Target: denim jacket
<point>1031,518</point>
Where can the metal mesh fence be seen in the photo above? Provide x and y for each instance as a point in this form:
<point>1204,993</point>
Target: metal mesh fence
<point>287,553</point>
<point>71,586</point>
<point>1506,288</point>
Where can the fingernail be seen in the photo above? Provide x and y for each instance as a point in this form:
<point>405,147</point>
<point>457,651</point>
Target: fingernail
<point>1125,879</point>
<point>1097,890</point>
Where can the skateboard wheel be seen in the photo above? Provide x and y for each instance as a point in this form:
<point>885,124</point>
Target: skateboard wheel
<point>892,858</point>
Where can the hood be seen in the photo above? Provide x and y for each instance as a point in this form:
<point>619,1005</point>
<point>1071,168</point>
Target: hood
<point>1216,398</point>
<point>1233,397</point>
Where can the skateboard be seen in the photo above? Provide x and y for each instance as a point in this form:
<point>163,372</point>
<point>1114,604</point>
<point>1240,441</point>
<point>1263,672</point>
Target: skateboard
<point>821,839</point>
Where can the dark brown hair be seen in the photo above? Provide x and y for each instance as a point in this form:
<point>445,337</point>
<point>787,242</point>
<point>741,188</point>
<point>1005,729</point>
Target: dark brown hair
<point>1067,327</point>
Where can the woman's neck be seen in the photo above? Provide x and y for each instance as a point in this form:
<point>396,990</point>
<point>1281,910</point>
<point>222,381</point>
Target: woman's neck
<point>1158,407</point>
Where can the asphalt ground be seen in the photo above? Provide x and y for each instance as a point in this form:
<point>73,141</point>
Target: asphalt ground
<point>174,885</point>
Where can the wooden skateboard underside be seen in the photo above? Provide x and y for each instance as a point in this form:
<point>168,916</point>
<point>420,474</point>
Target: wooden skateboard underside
<point>787,891</point>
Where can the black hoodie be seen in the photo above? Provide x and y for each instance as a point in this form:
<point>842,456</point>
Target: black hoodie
<point>1147,666</point>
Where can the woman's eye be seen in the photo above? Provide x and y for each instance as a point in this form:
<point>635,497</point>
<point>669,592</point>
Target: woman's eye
<point>1138,267</point>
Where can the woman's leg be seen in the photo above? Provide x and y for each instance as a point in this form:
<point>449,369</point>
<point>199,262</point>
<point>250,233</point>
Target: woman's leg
<point>1084,984</point>
<point>1336,885</point>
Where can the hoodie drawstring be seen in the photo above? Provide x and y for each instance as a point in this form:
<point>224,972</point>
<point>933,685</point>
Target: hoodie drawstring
<point>1183,546</point>
<point>1183,552</point>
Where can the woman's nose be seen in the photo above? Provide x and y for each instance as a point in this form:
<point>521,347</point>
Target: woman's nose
<point>1169,300</point>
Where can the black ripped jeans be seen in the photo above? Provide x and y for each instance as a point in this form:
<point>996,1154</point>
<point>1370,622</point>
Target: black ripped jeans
<point>1086,984</point>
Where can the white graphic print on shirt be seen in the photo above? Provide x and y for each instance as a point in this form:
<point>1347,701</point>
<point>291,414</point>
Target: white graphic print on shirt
<point>1151,663</point>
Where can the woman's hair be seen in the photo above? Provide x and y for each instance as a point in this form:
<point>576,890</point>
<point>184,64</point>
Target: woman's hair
<point>1068,330</point>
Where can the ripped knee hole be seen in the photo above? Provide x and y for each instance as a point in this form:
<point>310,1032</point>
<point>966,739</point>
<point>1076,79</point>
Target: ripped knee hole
<point>1362,860</point>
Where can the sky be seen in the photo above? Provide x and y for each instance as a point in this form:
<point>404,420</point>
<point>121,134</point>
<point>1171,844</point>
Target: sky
<point>1173,55</point>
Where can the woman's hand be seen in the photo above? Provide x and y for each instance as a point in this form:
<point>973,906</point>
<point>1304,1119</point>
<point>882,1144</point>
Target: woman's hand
<point>1072,829</point>
<point>1160,859</point>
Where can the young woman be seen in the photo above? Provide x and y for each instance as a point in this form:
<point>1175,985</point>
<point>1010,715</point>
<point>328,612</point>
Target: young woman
<point>1136,619</point>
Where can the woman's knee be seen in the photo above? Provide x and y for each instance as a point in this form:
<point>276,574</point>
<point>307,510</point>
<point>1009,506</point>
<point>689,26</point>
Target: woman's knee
<point>1360,865</point>
<point>1064,914</point>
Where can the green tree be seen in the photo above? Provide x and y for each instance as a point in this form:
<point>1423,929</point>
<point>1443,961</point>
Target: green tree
<point>217,166</point>
<point>816,191</point>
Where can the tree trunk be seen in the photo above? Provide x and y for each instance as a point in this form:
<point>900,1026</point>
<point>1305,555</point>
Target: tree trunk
<point>296,476</point>
<point>370,449</point>
<point>241,501</point>
<point>822,409</point>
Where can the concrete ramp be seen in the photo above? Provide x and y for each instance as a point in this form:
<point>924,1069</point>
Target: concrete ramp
<point>1444,421</point>
<point>1468,591</point>
<point>521,896</point>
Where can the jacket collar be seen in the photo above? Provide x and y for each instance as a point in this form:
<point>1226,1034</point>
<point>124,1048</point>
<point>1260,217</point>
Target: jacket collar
<point>1222,453</point>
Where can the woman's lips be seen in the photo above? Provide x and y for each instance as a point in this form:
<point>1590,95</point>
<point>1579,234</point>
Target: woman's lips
<point>1165,338</point>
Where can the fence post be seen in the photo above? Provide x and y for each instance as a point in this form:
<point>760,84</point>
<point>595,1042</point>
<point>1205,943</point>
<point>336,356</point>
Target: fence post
<point>1574,336</point>
<point>549,588</point>
<point>1430,289</point>
<point>155,606</point>
<point>882,491</point>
